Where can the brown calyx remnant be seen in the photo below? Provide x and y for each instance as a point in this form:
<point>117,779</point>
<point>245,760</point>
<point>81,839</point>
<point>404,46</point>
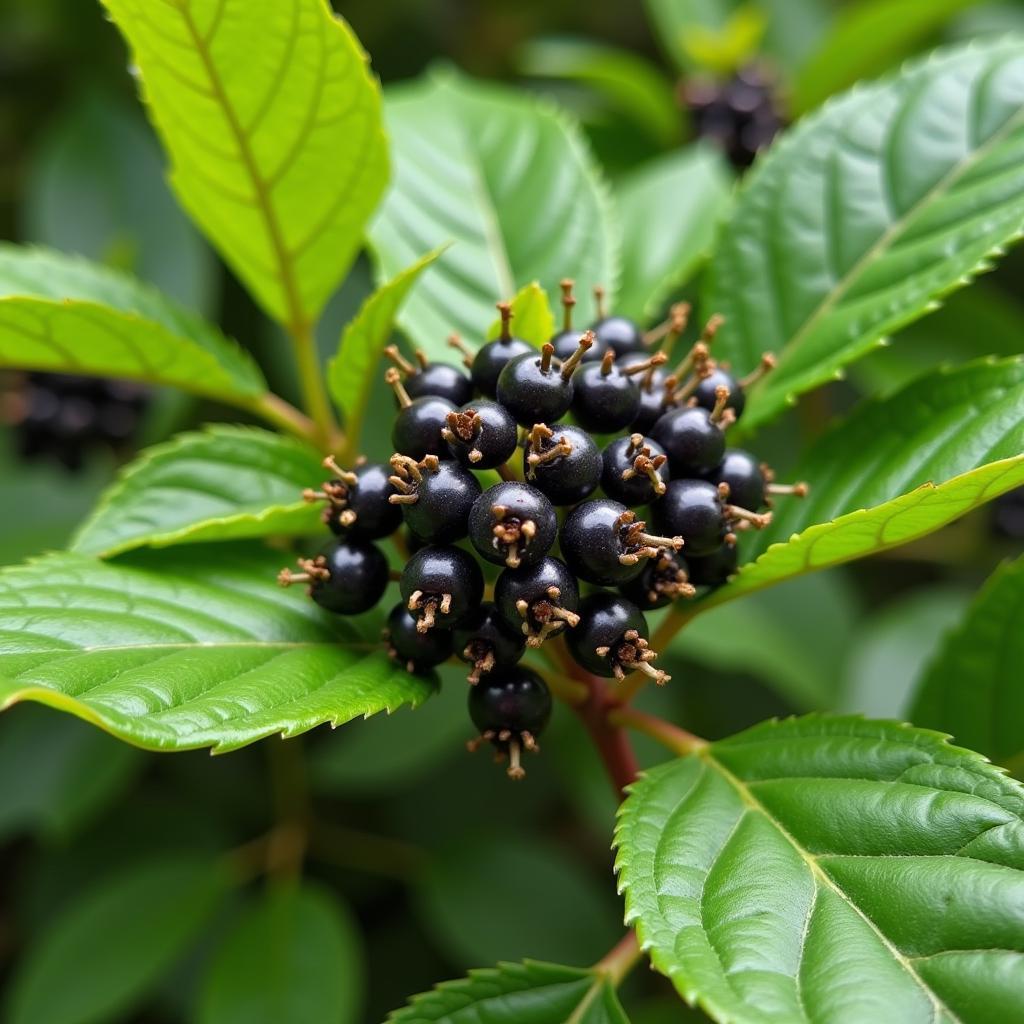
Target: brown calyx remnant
<point>408,476</point>
<point>669,581</point>
<point>636,543</point>
<point>644,463</point>
<point>740,518</point>
<point>544,617</point>
<point>336,493</point>
<point>426,606</point>
<point>771,488</point>
<point>541,452</point>
<point>511,533</point>
<point>313,570</point>
<point>510,746</point>
<point>462,427</point>
<point>632,654</point>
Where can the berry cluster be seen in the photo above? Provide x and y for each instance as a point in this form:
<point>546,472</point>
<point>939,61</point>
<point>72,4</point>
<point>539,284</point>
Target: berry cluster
<point>561,523</point>
<point>741,115</point>
<point>64,416</point>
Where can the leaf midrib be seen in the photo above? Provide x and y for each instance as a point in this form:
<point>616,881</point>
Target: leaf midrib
<point>821,876</point>
<point>895,228</point>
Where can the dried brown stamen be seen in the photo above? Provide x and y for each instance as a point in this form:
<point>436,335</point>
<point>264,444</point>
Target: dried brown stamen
<point>632,654</point>
<point>538,455</point>
<point>545,614</point>
<point>766,366</point>
<point>568,301</point>
<point>394,380</point>
<point>461,428</point>
<point>427,607</point>
<point>506,314</point>
<point>403,364</point>
<point>644,463</point>
<point>586,342</point>
<point>511,533</point>
<point>456,342</point>
<point>638,544</point>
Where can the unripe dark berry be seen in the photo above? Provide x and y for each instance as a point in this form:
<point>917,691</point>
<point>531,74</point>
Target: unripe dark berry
<point>603,542</point>
<point>715,569</point>
<point>357,502</point>
<point>513,524</point>
<point>440,380</point>
<point>611,639</point>
<point>539,601</point>
<point>743,475</point>
<point>618,333</point>
<point>664,579</point>
<point>441,585</point>
<point>481,435</point>
<point>484,640</point>
<point>606,397</point>
<point>435,497</point>
<point>539,388</point>
<point>347,577</point>
<point>693,442</point>
<point>417,651</point>
<point>564,463</point>
<point>511,708</point>
<point>635,470</point>
<point>492,358</point>
<point>417,428</point>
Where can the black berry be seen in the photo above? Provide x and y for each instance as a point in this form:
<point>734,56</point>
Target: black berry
<point>440,380</point>
<point>603,542</point>
<point>707,394</point>
<point>664,579</point>
<point>358,502</point>
<point>418,651</point>
<point>347,577</point>
<point>511,708</point>
<point>693,510</point>
<point>418,427</point>
<point>618,333</point>
<point>693,442</point>
<point>715,569</point>
<point>435,497</point>
<point>440,586</point>
<point>742,474</point>
<point>538,601</point>
<point>484,640</point>
<point>512,524</point>
<point>635,470</point>
<point>537,388</point>
<point>491,358</point>
<point>606,396</point>
<point>611,639</point>
<point>564,463</point>
<point>481,435</point>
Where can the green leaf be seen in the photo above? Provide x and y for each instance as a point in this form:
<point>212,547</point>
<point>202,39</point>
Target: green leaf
<point>632,85</point>
<point>532,319</point>
<point>669,210</point>
<point>865,214</point>
<point>506,177</point>
<point>65,314</point>
<point>830,869</point>
<point>273,124</point>
<point>350,372</point>
<point>187,648</point>
<point>295,957</point>
<point>105,951</point>
<point>225,483</point>
<point>972,686</point>
<point>95,188</point>
<point>868,37</point>
<point>526,993</point>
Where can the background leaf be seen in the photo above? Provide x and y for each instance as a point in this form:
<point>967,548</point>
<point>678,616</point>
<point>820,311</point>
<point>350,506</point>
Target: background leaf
<point>510,181</point>
<point>62,313</point>
<point>527,993</point>
<point>532,317</point>
<point>830,868</point>
<point>191,647</point>
<point>295,956</point>
<point>668,210</point>
<point>224,483</point>
<point>972,686</point>
<point>273,124</point>
<point>865,214</point>
<point>107,950</point>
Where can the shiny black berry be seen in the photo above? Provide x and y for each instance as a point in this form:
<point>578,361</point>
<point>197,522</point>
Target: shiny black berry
<point>513,524</point>
<point>707,393</point>
<point>441,585</point>
<point>743,475</point>
<point>347,576</point>
<point>538,388</point>
<point>664,579</point>
<point>357,502</point>
<point>611,638</point>
<point>417,430</point>
<point>539,601</point>
<point>418,651</point>
<point>693,510</point>
<point>635,470</point>
<point>603,542</point>
<point>481,435</point>
<point>693,442</point>
<point>617,333</point>
<point>484,640</point>
<point>440,380</point>
<point>511,708</point>
<point>715,569</point>
<point>564,463</point>
<point>606,396</point>
<point>653,403</point>
<point>435,497</point>
<point>492,358</point>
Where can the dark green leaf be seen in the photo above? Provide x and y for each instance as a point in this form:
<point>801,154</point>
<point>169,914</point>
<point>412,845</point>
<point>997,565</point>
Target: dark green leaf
<point>973,685</point>
<point>509,180</point>
<point>225,483</point>
<point>527,993</point>
<point>867,213</point>
<point>273,124</point>
<point>831,869</point>
<point>293,958</point>
<point>105,951</point>
<point>192,647</point>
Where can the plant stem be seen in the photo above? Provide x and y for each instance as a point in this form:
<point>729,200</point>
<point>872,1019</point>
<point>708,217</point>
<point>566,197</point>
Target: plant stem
<point>313,391</point>
<point>287,841</point>
<point>284,415</point>
<point>678,740</point>
<point>376,855</point>
<point>620,959</point>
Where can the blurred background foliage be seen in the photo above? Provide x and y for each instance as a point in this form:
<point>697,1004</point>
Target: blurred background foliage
<point>425,863</point>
